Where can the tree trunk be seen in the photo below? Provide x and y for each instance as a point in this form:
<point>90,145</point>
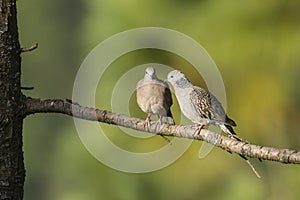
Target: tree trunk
<point>12,172</point>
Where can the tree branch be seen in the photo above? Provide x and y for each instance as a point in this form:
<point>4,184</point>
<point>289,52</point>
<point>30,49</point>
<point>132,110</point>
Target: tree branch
<point>68,107</point>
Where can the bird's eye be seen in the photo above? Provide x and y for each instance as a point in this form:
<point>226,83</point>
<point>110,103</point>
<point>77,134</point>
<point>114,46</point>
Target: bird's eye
<point>171,76</point>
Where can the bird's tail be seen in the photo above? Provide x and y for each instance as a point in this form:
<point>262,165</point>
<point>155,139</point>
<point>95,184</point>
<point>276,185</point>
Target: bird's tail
<point>229,130</point>
<point>229,121</point>
<point>169,114</point>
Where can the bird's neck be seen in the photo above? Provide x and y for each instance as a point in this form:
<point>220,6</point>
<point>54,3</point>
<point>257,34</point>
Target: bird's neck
<point>147,77</point>
<point>183,83</point>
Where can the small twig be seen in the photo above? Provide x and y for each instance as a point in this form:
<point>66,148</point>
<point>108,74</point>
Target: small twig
<point>166,139</point>
<point>253,169</point>
<point>27,49</point>
<point>251,165</point>
<point>26,88</point>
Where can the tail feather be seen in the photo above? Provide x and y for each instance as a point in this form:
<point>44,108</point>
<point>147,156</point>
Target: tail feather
<point>229,121</point>
<point>229,130</point>
<point>169,114</point>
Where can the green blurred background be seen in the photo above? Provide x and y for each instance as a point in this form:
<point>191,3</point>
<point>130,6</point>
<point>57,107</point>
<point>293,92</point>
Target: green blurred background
<point>256,46</point>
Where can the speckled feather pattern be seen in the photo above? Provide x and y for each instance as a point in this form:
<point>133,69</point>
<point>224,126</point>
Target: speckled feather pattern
<point>199,105</point>
<point>208,106</point>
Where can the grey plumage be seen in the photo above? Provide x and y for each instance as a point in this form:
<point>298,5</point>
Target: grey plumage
<point>199,105</point>
<point>202,107</point>
<point>154,97</point>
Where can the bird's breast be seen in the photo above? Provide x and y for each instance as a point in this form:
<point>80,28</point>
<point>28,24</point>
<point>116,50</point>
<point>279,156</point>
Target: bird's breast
<point>151,99</point>
<point>187,108</point>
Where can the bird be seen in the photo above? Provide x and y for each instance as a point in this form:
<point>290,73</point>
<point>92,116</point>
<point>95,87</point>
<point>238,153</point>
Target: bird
<point>154,98</point>
<point>199,105</point>
<point>202,107</point>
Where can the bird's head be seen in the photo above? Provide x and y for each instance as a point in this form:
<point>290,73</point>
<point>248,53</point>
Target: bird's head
<point>150,73</point>
<point>178,79</point>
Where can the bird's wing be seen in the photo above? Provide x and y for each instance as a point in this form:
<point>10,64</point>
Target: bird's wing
<point>200,100</point>
<point>207,105</point>
<point>168,101</point>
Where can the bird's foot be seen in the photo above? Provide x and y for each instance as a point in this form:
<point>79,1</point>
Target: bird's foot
<point>159,122</point>
<point>198,127</point>
<point>147,122</point>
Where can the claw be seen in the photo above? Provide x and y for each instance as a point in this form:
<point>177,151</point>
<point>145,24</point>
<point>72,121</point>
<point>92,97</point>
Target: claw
<point>198,127</point>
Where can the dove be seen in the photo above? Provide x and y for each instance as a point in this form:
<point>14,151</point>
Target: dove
<point>154,97</point>
<point>199,105</point>
<point>202,107</point>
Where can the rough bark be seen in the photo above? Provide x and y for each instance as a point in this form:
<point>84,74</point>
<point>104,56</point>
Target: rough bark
<point>12,172</point>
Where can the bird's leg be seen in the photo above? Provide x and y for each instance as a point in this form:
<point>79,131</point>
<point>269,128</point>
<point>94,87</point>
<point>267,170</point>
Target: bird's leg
<point>198,127</point>
<point>159,121</point>
<point>147,121</point>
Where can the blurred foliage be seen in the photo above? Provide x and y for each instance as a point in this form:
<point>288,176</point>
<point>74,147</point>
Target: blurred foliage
<point>256,45</point>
